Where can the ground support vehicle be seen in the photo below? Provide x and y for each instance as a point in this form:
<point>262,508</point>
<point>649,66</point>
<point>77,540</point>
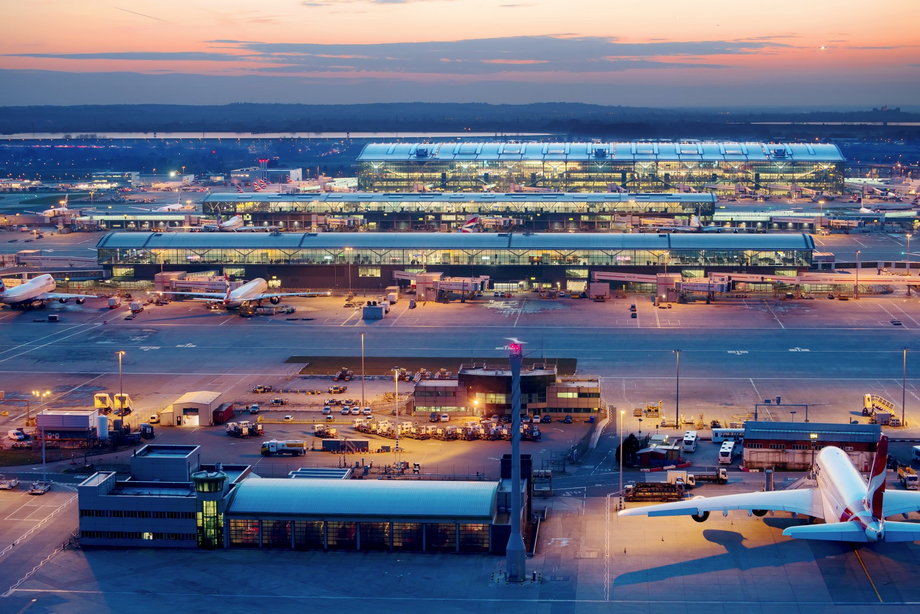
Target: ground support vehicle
<point>654,491</point>
<point>907,476</point>
<point>8,483</point>
<point>292,447</point>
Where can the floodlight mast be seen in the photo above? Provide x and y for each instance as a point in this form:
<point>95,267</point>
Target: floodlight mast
<point>514,553</point>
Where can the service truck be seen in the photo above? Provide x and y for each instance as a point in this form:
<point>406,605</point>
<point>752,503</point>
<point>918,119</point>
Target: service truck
<point>908,477</point>
<point>8,483</point>
<point>294,448</point>
<point>654,491</point>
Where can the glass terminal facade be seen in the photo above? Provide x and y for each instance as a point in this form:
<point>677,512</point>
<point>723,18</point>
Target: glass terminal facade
<point>443,211</point>
<point>369,260</point>
<point>720,167</point>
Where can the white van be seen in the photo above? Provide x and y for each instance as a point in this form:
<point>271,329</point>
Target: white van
<point>690,439</point>
<point>726,453</point>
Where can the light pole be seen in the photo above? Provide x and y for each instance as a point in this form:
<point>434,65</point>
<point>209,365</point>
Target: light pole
<point>677,393</point>
<point>396,413</point>
<point>904,388</point>
<point>908,235</point>
<point>121,388</point>
<point>856,292</point>
<point>620,429</point>
<point>514,557</point>
<point>362,368</point>
<point>814,446</point>
<point>39,397</point>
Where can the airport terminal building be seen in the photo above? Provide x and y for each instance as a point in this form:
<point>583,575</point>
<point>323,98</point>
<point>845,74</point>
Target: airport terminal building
<point>443,211</point>
<point>720,167</point>
<point>513,261</point>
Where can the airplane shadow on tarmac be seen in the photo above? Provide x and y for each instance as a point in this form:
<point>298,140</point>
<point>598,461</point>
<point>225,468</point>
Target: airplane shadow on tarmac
<point>737,556</point>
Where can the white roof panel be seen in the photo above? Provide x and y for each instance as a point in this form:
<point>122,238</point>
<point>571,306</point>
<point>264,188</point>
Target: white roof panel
<point>365,498</point>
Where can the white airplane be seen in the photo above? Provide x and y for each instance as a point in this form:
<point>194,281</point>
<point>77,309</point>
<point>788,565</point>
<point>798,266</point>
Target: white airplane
<point>853,511</point>
<point>35,292</point>
<point>253,291</point>
<point>58,211</point>
<point>235,224</point>
<point>229,225</point>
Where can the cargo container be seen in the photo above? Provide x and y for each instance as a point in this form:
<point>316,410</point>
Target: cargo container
<point>222,414</point>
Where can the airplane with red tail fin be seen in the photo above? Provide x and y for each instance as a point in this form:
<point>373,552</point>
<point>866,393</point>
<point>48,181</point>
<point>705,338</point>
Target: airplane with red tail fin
<point>852,509</point>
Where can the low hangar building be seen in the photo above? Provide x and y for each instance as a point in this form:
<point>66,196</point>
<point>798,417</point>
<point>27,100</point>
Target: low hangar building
<point>171,500</point>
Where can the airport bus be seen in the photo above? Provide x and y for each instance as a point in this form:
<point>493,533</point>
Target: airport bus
<point>726,452</point>
<point>690,439</point>
<point>725,434</point>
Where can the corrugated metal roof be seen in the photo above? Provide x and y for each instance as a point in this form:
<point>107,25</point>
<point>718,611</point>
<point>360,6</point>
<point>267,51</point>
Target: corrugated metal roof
<point>202,397</point>
<point>625,151</point>
<point>443,240</point>
<point>364,498</point>
<point>798,431</point>
<point>471,197</point>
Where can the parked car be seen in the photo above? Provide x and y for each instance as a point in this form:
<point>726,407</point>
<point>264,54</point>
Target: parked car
<point>337,389</point>
<point>367,411</point>
<point>567,420</point>
<point>40,487</point>
<point>445,417</point>
<point>278,401</point>
<point>546,419</point>
<point>327,410</point>
<point>355,411</point>
<point>288,418</point>
<point>345,410</point>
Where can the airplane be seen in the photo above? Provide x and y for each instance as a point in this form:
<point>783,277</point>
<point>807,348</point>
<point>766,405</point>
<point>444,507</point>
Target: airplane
<point>58,211</point>
<point>231,224</point>
<point>35,293</point>
<point>853,511</point>
<point>251,292</point>
<point>235,224</point>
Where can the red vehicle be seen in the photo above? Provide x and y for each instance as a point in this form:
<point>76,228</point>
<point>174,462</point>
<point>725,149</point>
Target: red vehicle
<point>222,414</point>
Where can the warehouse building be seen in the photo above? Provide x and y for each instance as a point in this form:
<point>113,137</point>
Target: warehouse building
<point>512,261</point>
<point>440,212</point>
<point>791,446</point>
<point>172,501</point>
<point>719,167</point>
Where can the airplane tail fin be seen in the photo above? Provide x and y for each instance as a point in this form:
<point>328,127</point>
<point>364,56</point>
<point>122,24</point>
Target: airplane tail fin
<point>876,489</point>
<point>471,224</point>
<point>832,532</point>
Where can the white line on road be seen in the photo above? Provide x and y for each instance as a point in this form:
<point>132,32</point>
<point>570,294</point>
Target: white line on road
<point>770,309</point>
<point>83,328</point>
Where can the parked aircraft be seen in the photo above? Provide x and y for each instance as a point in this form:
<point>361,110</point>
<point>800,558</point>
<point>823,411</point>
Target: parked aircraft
<point>59,211</point>
<point>853,511</point>
<point>36,292</point>
<point>253,291</point>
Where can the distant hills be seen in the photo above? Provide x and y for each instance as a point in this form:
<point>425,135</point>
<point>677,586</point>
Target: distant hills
<point>565,119</point>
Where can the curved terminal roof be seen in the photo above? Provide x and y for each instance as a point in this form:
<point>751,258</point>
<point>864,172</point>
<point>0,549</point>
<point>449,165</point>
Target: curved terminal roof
<point>467,197</point>
<point>694,151</point>
<point>443,240</point>
<point>364,498</point>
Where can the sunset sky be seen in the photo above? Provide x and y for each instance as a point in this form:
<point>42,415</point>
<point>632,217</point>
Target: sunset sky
<point>660,53</point>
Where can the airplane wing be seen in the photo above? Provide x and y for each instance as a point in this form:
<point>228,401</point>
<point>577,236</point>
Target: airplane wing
<point>282,294</point>
<point>57,295</point>
<point>900,502</point>
<point>800,501</point>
